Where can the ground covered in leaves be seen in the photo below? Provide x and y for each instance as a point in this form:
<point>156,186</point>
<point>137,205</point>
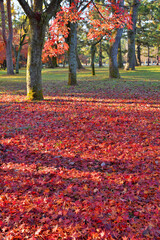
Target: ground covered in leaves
<point>82,164</point>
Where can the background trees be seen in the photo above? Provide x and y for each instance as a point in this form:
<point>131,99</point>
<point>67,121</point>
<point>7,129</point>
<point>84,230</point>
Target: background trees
<point>101,24</point>
<point>7,39</point>
<point>133,5</point>
<point>109,24</point>
<point>148,29</point>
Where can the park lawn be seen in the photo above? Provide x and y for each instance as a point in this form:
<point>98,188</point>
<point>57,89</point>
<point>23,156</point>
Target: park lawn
<point>83,163</point>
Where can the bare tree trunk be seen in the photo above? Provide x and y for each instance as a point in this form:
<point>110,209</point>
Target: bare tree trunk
<point>100,54</point>
<point>38,19</point>
<point>139,54</point>
<point>34,63</point>
<point>52,62</point>
<point>79,64</point>
<point>131,37</point>
<point>18,53</point>
<point>72,77</point>
<point>17,60</point>
<point>157,58</point>
<point>93,51</point>
<point>120,60</point>
<point>148,55</point>
<point>7,41</point>
<point>113,52</point>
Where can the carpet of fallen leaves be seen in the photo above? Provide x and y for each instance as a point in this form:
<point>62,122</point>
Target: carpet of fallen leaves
<point>80,168</point>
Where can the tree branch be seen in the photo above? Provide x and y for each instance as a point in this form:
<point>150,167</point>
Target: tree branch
<point>52,8</point>
<point>84,7</point>
<point>26,8</point>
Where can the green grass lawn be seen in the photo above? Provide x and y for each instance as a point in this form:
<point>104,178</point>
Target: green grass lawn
<point>142,81</point>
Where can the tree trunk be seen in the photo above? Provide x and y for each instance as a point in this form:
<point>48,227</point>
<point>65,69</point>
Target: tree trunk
<point>9,59</point>
<point>52,62</point>
<point>120,60</point>
<point>79,64</point>
<point>34,63</point>
<point>18,58</point>
<point>100,54</point>
<point>72,77</point>
<point>93,51</point>
<point>113,52</point>
<point>157,58</point>
<point>139,54</point>
<point>148,55</point>
<point>18,53</point>
<point>38,20</point>
<point>7,41</point>
<point>131,37</point>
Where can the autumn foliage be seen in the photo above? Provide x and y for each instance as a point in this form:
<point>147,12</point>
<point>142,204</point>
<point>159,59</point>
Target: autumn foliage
<point>2,49</point>
<point>58,32</point>
<point>105,20</point>
<point>16,45</point>
<point>83,164</point>
<point>102,20</point>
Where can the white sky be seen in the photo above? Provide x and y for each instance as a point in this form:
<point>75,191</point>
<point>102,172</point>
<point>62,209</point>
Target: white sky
<point>15,3</point>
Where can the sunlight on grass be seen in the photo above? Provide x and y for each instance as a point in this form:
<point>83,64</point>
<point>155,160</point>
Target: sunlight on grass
<point>56,81</point>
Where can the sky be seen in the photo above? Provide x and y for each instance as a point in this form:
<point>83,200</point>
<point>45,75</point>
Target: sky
<point>15,2</point>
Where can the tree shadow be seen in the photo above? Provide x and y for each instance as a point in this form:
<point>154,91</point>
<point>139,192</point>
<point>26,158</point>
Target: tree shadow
<point>60,195</point>
<point>72,168</point>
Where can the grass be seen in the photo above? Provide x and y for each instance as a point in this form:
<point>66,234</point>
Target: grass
<point>136,83</point>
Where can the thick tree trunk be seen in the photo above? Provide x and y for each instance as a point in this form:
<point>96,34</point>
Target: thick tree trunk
<point>113,52</point>
<point>34,63</point>
<point>72,77</point>
<point>38,19</point>
<point>131,37</point>
<point>10,70</point>
<point>93,51</point>
<point>120,60</point>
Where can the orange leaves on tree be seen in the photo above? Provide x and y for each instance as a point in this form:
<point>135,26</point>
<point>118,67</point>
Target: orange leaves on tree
<point>104,20</point>
<point>59,30</point>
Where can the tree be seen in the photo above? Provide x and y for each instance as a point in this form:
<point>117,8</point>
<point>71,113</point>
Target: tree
<point>134,5</point>
<point>63,36</point>
<point>110,26</point>
<point>148,28</point>
<point>80,6</point>
<point>93,51</point>
<point>100,54</point>
<point>7,40</point>
<point>39,15</point>
<point>20,34</point>
<point>120,60</point>
<point>72,42</point>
